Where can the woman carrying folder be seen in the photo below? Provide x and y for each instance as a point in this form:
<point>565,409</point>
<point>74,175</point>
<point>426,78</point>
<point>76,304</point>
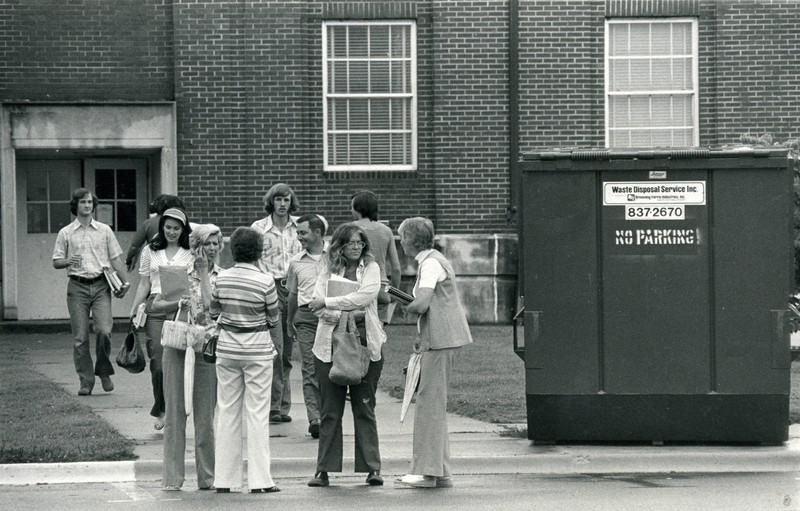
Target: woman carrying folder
<point>170,248</point>
<point>348,259</point>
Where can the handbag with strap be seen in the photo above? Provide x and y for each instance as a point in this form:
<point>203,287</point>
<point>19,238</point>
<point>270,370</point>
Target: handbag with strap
<point>180,334</point>
<point>131,355</point>
<point>350,360</point>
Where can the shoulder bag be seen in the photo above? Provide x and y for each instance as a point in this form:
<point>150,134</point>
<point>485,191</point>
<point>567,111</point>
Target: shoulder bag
<point>350,359</point>
<point>131,356</point>
<point>180,334</point>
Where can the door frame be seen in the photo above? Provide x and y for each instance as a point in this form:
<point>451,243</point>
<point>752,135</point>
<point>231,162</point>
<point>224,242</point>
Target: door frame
<point>94,130</point>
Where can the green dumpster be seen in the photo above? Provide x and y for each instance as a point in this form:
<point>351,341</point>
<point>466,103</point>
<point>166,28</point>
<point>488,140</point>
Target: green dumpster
<point>655,288</point>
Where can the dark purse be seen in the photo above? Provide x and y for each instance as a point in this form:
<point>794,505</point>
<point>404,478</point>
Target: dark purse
<point>210,344</point>
<point>350,360</point>
<point>131,356</point>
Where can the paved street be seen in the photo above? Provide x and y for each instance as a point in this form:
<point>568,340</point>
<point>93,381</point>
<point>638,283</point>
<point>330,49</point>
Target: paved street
<point>653,492</point>
<point>491,472</point>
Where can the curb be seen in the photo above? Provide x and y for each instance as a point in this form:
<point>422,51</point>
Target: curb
<point>559,461</point>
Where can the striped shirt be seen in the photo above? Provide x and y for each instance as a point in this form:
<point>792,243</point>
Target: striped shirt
<point>95,243</point>
<point>246,302</point>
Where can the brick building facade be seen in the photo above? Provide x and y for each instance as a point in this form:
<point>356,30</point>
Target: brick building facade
<point>221,99</point>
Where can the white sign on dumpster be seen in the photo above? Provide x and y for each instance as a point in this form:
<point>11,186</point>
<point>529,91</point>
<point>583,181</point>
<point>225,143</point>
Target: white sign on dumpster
<point>627,193</point>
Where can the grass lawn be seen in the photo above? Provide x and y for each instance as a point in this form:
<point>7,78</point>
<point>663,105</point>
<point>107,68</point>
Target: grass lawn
<point>489,379</point>
<point>41,423</point>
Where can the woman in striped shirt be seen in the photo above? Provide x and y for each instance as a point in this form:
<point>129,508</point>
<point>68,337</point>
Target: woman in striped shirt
<point>245,302</point>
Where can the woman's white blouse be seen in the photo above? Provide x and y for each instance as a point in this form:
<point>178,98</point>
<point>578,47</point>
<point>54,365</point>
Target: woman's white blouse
<point>150,261</point>
<point>366,297</point>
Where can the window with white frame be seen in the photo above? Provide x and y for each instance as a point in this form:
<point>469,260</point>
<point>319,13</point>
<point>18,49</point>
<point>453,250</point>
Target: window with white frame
<point>369,78</point>
<point>651,82</point>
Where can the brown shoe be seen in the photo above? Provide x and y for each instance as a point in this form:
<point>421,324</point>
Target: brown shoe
<point>320,479</point>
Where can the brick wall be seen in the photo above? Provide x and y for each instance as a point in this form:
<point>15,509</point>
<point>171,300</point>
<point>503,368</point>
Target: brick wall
<point>561,74</point>
<point>470,56</point>
<point>88,50</point>
<point>757,61</point>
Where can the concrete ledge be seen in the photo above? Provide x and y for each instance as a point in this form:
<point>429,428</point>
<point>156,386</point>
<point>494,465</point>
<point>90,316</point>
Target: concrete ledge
<point>541,460</point>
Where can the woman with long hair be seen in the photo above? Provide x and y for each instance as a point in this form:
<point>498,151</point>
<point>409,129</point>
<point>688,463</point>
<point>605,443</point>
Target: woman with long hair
<point>205,242</point>
<point>170,247</point>
<point>349,258</point>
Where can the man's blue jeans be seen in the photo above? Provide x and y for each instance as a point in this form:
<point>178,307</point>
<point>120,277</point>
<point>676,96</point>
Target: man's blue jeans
<point>81,299</point>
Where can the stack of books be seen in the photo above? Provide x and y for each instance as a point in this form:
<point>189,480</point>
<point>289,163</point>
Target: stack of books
<point>112,277</point>
<point>399,296</point>
<point>141,316</point>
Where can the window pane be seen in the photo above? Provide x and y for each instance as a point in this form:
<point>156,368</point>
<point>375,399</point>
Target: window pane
<point>662,138</point>
<point>359,149</point>
<point>661,39</point>
<point>126,184</point>
<point>358,77</point>
<point>682,38</point>
<point>640,111</point>
<point>126,216</point>
<point>104,183</point>
<point>37,186</point>
<point>340,150</point>
<point>379,77</point>
<point>379,41</point>
<point>640,39</point>
<point>37,218</point>
<point>661,111</point>
<point>59,185</point>
<point>334,112</point>
<point>401,73</point>
<point>640,74</point>
<point>59,215</point>
<point>401,41</point>
<point>379,114</point>
<point>400,148</point>
<point>400,114</point>
<point>338,41</point>
<point>682,70</point>
<point>619,112</point>
<point>620,139</point>
<point>620,75</point>
<point>357,41</point>
<point>379,149</point>
<point>338,77</point>
<point>641,138</point>
<point>359,118</point>
<point>662,75</point>
<point>619,39</point>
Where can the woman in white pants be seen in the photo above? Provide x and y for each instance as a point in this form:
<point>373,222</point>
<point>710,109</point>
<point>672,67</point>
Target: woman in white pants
<point>246,303</point>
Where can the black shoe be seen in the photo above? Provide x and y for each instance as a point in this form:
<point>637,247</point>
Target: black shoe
<point>223,490</point>
<point>271,489</point>
<point>275,418</point>
<point>319,479</point>
<point>313,428</point>
<point>286,418</point>
<point>374,478</point>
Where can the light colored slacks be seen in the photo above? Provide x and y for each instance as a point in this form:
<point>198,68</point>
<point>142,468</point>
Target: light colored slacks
<point>431,447</point>
<point>243,394</point>
<point>204,400</point>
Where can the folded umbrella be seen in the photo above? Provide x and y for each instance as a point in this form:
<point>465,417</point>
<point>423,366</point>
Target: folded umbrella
<point>412,379</point>
<point>188,380</point>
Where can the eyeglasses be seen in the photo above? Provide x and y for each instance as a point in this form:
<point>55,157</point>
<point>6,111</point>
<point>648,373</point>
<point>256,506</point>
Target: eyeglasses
<point>355,244</point>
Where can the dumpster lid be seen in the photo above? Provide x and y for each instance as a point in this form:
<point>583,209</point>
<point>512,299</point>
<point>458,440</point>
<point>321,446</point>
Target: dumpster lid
<point>672,153</point>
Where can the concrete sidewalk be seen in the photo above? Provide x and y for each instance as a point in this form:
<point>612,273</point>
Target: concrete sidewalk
<point>476,447</point>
